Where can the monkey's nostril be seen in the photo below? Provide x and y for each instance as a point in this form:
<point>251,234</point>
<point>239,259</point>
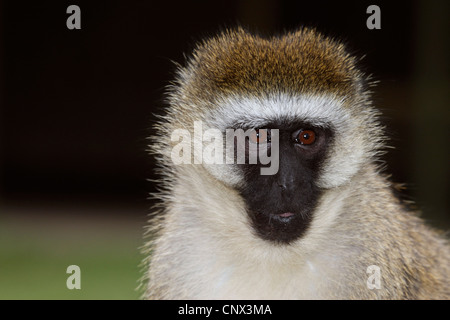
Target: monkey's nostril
<point>282,186</point>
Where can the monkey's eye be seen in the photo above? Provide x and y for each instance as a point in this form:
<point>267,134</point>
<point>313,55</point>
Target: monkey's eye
<point>259,136</point>
<point>305,137</point>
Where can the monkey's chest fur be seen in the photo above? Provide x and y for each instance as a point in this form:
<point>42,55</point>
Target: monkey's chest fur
<point>220,256</point>
<point>202,266</point>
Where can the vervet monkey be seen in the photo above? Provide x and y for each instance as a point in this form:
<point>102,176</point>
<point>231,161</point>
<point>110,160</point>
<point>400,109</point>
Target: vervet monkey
<point>314,228</point>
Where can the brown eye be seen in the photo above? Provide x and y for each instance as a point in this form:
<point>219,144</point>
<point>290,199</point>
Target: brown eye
<point>258,136</point>
<point>306,137</point>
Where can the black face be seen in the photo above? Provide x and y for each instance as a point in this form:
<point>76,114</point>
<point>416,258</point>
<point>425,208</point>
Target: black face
<point>280,206</point>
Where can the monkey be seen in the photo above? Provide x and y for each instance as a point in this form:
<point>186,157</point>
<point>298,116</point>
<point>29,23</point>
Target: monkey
<point>319,225</point>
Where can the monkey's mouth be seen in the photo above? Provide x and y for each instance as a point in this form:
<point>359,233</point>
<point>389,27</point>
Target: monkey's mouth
<point>281,227</point>
<point>284,217</point>
<point>285,214</point>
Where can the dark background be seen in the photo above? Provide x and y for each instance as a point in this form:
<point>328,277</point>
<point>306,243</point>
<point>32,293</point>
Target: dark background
<point>76,105</point>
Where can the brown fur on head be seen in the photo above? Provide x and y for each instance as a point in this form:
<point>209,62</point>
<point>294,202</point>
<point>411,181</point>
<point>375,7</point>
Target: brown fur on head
<point>239,62</point>
<point>234,68</point>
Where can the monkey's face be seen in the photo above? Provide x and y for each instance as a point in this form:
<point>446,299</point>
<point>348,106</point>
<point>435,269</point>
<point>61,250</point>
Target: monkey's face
<point>321,145</point>
<point>323,141</point>
<point>307,91</point>
<point>280,206</point>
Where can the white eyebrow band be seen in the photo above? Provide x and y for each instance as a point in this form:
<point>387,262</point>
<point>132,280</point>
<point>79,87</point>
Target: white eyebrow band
<point>254,112</point>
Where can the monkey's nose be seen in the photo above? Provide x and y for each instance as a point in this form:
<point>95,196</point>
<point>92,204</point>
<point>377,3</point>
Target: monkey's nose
<point>283,186</point>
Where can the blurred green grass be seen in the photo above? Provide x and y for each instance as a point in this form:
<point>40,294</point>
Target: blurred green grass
<point>35,251</point>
